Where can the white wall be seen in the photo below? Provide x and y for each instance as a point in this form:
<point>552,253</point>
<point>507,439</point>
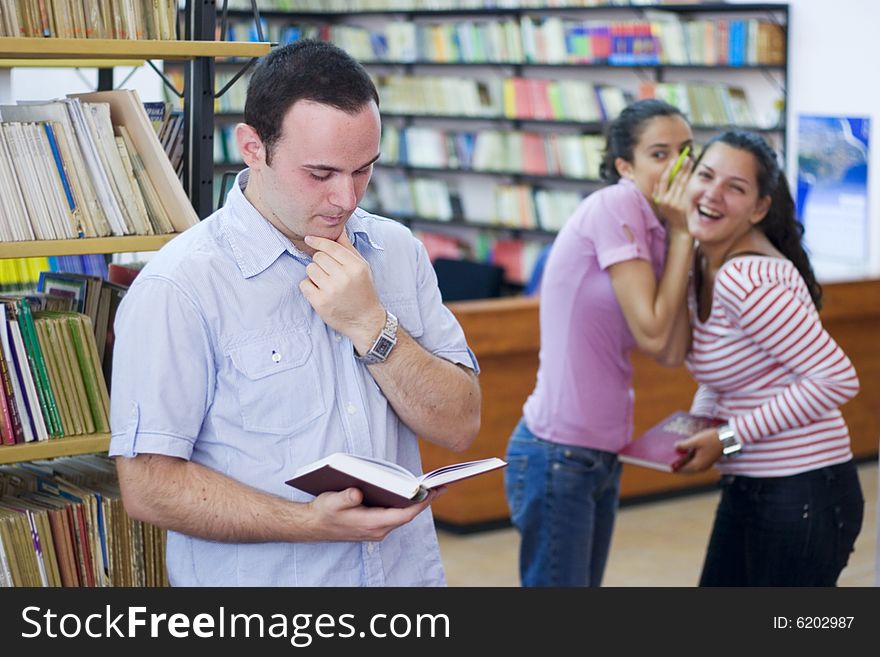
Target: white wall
<point>49,83</point>
<point>833,71</point>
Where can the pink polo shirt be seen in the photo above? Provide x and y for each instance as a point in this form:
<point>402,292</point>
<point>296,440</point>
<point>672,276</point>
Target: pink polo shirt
<point>583,394</point>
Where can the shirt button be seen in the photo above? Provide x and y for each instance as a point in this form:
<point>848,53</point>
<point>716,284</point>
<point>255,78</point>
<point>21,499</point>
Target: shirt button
<point>337,337</point>
<point>350,408</point>
<point>370,548</point>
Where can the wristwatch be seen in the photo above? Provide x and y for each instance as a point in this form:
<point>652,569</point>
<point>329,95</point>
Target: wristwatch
<point>730,444</point>
<point>383,344</point>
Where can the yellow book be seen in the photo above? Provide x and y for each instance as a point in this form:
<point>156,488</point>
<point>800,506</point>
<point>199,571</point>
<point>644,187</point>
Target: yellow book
<point>9,542</point>
<point>93,376</point>
<point>60,333</point>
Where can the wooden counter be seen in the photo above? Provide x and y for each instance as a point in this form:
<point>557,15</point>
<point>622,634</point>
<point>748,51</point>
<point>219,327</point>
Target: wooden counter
<point>503,333</point>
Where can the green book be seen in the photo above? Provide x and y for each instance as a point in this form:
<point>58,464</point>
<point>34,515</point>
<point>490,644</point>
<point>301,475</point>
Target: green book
<point>59,383</point>
<point>22,312</point>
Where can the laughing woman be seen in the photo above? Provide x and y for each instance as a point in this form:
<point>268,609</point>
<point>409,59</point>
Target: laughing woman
<point>791,505</point>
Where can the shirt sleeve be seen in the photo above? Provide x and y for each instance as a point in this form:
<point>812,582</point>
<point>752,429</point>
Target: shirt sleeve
<point>619,230</point>
<point>163,369</point>
<point>442,334</point>
<point>792,335</point>
<point>705,401</point>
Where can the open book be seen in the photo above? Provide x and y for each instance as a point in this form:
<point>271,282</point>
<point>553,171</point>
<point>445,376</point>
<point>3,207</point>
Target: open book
<point>656,447</point>
<point>383,483</point>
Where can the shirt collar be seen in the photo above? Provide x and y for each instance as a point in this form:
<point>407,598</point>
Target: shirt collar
<point>256,243</point>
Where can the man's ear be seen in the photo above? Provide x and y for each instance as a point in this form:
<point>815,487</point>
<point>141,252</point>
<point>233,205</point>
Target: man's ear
<point>251,147</point>
<point>624,168</point>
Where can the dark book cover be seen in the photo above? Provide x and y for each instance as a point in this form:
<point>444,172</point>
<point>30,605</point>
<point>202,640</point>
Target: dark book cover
<point>327,478</point>
<point>382,482</point>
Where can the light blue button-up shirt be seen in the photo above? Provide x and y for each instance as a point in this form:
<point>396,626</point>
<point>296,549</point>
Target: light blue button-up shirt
<point>220,359</point>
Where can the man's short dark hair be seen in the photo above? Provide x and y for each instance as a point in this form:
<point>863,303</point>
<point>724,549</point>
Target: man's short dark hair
<point>305,70</point>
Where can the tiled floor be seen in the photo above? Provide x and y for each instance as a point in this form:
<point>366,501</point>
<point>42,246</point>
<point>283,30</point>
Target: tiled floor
<point>655,544</point>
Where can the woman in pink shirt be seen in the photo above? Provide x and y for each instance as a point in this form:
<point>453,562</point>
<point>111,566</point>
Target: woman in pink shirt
<point>616,278</point>
<point>791,504</point>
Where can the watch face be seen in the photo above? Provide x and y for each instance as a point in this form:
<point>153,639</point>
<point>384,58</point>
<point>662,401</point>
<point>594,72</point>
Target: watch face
<point>382,347</point>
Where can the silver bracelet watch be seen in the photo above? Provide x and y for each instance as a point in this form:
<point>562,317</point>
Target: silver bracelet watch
<point>383,345</point>
<point>730,444</point>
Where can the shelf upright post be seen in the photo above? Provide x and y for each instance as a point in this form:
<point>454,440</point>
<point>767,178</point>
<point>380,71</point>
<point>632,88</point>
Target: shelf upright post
<point>105,78</point>
<point>198,108</point>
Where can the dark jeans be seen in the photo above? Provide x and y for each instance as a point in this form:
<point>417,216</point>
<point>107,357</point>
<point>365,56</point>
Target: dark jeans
<point>785,531</point>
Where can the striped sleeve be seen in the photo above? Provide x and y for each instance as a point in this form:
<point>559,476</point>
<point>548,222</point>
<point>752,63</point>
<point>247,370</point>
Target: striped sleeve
<point>790,333</point>
<point>705,401</point>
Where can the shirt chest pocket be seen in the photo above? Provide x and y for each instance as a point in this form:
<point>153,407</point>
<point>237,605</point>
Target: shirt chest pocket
<point>277,380</point>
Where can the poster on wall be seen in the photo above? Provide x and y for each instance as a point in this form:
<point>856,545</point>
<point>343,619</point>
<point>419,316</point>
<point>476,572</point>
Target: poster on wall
<point>832,193</point>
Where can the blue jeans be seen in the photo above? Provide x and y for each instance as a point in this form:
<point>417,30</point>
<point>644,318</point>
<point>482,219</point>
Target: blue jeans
<point>563,501</point>
<point>785,531</point>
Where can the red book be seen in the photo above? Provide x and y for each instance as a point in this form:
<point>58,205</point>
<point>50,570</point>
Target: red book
<point>509,255</point>
<point>123,274</point>
<point>383,483</point>
<point>656,447</point>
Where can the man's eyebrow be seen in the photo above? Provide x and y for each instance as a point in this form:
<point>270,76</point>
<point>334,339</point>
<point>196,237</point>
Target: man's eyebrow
<point>326,167</point>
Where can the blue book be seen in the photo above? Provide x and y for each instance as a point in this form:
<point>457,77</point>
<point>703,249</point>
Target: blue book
<point>64,284</point>
<point>53,144</point>
<point>253,35</point>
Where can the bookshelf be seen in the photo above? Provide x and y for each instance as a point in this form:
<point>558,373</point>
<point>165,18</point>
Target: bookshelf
<point>440,45</point>
<point>67,446</point>
<point>124,244</point>
<point>138,548</point>
<point>98,49</point>
<point>198,53</point>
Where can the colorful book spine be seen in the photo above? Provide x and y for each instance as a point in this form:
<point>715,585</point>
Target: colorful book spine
<point>7,430</point>
<point>38,367</point>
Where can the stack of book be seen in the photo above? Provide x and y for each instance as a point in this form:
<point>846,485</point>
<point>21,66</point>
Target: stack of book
<point>93,296</point>
<point>88,165</point>
<point>168,126</point>
<point>62,523</point>
<point>706,104</point>
<point>52,379</point>
<point>92,19</point>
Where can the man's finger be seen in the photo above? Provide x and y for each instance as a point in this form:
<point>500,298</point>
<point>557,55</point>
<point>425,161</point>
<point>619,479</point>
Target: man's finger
<point>308,289</point>
<point>330,247</point>
<point>325,261</point>
<point>344,241</point>
<point>318,276</point>
<point>339,248</point>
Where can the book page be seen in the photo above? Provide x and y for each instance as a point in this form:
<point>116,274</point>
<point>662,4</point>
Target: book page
<point>456,471</point>
<point>385,465</point>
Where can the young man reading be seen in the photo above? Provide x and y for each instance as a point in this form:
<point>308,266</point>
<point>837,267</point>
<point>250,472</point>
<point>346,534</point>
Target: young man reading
<point>289,325</point>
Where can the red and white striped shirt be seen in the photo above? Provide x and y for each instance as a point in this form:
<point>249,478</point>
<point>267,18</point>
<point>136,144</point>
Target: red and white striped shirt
<point>766,365</point>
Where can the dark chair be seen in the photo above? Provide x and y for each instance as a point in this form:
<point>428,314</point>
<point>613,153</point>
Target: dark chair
<point>460,280</point>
